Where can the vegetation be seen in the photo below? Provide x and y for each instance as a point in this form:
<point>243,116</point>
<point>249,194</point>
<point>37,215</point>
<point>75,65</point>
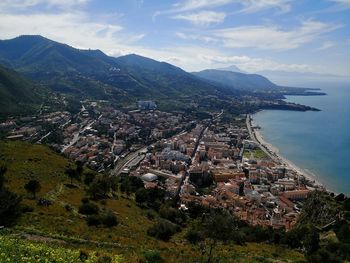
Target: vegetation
<point>9,202</point>
<point>163,230</point>
<point>33,186</point>
<point>255,154</point>
<point>13,249</point>
<point>18,94</point>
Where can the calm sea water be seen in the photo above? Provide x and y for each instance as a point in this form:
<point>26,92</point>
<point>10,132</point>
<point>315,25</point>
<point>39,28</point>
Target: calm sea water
<point>315,141</point>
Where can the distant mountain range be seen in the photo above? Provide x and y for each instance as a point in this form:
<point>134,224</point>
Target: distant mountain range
<point>237,80</point>
<point>17,94</point>
<point>123,80</point>
<point>94,74</point>
<point>232,68</point>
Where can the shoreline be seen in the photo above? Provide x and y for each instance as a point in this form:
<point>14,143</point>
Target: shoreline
<point>273,153</point>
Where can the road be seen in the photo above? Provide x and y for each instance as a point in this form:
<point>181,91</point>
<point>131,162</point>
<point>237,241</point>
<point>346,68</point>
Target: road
<point>185,178</point>
<point>123,163</point>
<point>255,139</point>
<point>77,135</point>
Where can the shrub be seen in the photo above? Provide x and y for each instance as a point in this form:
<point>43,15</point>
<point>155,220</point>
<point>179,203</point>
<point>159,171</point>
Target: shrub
<point>194,236</point>
<point>152,256</point>
<point>68,207</point>
<point>88,209</point>
<point>174,215</point>
<point>163,230</point>
<point>104,259</point>
<point>26,208</point>
<point>93,220</point>
<point>83,255</point>
<point>109,219</point>
<point>85,200</point>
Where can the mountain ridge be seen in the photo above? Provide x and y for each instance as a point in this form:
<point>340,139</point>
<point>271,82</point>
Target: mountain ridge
<point>237,80</point>
<point>67,69</point>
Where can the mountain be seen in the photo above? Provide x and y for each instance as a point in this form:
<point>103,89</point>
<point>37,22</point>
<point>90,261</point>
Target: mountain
<point>92,73</point>
<point>30,54</point>
<point>18,94</point>
<point>163,79</point>
<point>236,80</point>
<point>232,68</point>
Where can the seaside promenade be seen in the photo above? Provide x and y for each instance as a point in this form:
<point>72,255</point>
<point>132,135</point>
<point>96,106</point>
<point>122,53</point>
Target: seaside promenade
<point>272,152</point>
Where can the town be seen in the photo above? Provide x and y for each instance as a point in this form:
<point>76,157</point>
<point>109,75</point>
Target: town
<point>212,162</point>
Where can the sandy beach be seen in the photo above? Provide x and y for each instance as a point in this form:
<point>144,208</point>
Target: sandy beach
<point>274,154</point>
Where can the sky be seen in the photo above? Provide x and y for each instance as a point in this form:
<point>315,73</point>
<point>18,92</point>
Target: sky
<point>255,35</point>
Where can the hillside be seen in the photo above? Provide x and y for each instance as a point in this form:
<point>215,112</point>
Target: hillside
<point>92,73</point>
<point>64,228</point>
<point>237,80</point>
<point>18,94</point>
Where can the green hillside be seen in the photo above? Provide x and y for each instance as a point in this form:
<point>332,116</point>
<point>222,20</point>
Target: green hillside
<point>18,94</point>
<point>92,73</point>
<point>63,227</point>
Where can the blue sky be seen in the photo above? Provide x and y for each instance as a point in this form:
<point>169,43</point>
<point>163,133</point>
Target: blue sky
<point>289,35</point>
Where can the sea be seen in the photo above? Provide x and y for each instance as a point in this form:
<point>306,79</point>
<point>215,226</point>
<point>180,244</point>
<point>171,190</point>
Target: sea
<point>317,142</point>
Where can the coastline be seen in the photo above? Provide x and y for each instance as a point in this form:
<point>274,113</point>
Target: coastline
<point>273,153</point>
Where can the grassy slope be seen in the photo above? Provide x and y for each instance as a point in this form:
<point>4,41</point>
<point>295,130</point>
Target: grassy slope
<point>129,238</point>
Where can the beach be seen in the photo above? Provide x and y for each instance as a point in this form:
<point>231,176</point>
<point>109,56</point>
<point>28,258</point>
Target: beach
<point>274,154</point>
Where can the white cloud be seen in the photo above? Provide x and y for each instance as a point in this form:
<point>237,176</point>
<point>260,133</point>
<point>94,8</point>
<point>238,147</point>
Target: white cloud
<point>251,6</point>
<point>15,5</point>
<point>205,39</point>
<point>75,29</point>
<point>248,6</point>
<point>189,5</point>
<point>327,45</point>
<point>273,37</point>
<point>342,2</point>
<point>203,18</point>
<point>250,64</point>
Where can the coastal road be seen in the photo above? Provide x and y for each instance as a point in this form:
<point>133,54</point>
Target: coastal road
<point>254,138</point>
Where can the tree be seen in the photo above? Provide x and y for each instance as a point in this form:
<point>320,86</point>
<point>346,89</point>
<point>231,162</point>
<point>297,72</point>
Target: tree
<point>9,202</point>
<point>9,207</point>
<point>100,187</point>
<point>33,186</point>
<point>71,173</point>
<point>141,196</point>
<point>89,178</point>
<point>312,240</point>
<point>80,168</point>
<point>218,226</point>
<point>3,170</point>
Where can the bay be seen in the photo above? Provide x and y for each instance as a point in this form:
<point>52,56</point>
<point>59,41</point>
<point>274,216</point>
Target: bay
<point>318,142</point>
